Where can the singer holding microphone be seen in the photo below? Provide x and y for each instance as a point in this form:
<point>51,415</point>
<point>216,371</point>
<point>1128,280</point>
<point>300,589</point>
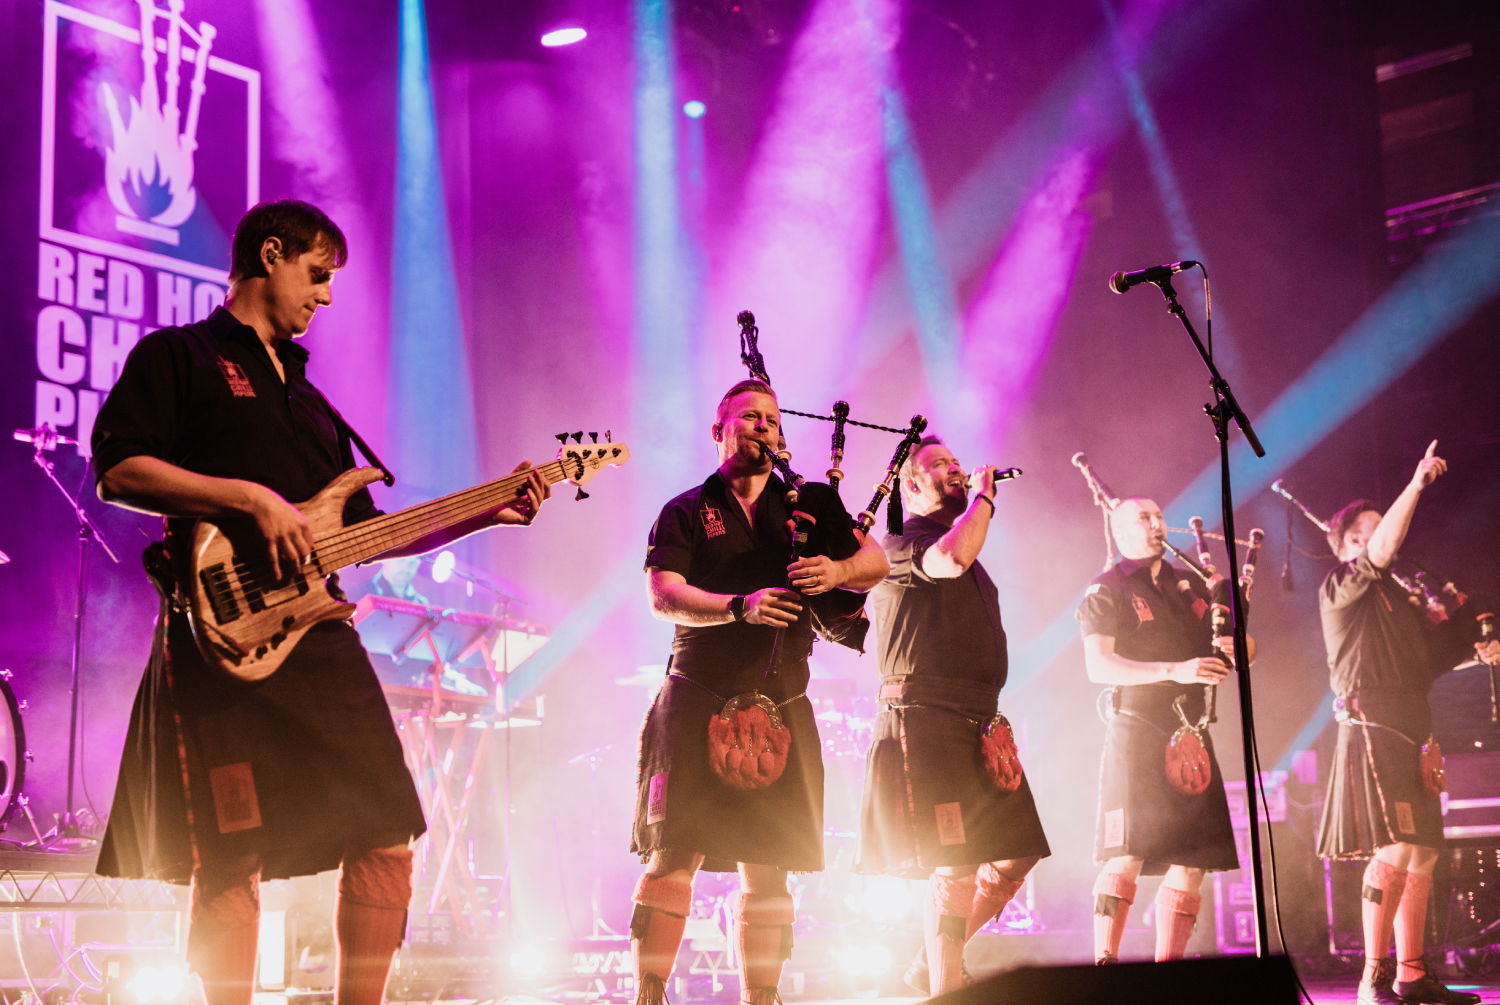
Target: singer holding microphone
<point>1162,808</point>
<point>946,798</point>
<point>1383,789</point>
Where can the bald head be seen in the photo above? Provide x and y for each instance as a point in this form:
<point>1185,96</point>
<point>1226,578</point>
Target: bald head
<point>1139,528</point>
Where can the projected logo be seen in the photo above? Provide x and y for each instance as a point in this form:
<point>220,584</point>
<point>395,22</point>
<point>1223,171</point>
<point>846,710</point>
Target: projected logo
<point>150,142</point>
<point>150,154</point>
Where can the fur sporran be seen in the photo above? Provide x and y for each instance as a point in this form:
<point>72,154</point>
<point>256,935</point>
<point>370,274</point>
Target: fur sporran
<point>1002,760</point>
<point>748,743</point>
<point>1187,764</point>
<point>1430,761</point>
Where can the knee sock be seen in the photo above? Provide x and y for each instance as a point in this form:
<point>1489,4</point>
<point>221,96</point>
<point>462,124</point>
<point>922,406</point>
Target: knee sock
<point>223,934</point>
<point>1383,886</point>
<point>950,901</point>
<point>662,906</point>
<point>1114,892</point>
<point>370,921</point>
<point>765,940</point>
<point>1411,925</point>
<point>993,890</point>
<point>1176,913</point>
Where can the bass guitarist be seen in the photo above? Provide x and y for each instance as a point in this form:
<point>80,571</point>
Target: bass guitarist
<point>223,782</point>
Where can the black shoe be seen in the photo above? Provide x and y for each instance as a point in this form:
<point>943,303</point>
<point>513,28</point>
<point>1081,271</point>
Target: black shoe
<point>651,990</point>
<point>918,977</point>
<point>1377,990</point>
<point>1107,958</point>
<point>1428,990</point>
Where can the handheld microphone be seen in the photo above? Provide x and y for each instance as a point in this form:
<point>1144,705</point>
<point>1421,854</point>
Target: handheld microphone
<point>1122,281</point>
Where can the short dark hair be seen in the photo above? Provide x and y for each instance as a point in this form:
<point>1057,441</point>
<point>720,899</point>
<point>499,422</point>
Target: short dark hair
<point>1340,522</point>
<point>927,441</point>
<point>301,227</point>
<point>748,384</point>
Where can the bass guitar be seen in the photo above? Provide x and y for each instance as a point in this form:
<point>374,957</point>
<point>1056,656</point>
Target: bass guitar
<point>246,619</point>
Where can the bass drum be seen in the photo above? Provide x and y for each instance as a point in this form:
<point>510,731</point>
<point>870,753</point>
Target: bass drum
<point>13,752</point>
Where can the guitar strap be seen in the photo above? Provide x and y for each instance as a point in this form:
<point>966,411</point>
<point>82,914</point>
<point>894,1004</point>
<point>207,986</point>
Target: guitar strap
<point>354,437</point>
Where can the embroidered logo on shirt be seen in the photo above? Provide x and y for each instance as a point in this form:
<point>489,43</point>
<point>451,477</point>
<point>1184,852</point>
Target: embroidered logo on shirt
<point>1406,823</point>
<point>1142,609</point>
<point>235,803</point>
<point>238,382</point>
<point>950,823</point>
<point>713,523</point>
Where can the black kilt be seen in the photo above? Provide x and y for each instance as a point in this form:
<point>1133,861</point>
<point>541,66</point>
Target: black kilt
<point>780,825</point>
<point>938,764</point>
<point>1140,813</point>
<point>1375,791</point>
<point>303,762</point>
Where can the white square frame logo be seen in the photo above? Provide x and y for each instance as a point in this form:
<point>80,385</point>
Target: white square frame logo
<point>49,230</point>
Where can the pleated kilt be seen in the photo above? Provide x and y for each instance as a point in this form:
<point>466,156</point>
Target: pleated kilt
<point>1375,791</point>
<point>928,800</point>
<point>289,768</point>
<point>1140,813</point>
<point>681,805</point>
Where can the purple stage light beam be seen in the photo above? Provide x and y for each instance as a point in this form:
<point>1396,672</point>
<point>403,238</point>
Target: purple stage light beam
<point>802,250</point>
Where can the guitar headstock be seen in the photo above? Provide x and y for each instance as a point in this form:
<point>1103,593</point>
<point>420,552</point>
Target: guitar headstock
<point>581,461</point>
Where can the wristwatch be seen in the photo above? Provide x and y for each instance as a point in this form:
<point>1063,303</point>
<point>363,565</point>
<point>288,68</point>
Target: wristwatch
<point>737,607</point>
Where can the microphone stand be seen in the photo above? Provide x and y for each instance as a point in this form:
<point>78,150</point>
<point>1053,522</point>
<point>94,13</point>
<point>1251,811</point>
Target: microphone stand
<point>67,834</point>
<point>1224,409</point>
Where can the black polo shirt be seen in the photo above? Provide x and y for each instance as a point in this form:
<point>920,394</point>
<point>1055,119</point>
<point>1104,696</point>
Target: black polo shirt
<point>703,536</point>
<point>1375,637</point>
<point>207,398</point>
<point>946,627</point>
<point>1150,621</point>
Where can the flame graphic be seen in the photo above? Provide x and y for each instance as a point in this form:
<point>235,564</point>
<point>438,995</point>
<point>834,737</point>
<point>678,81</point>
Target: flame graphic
<point>148,163</point>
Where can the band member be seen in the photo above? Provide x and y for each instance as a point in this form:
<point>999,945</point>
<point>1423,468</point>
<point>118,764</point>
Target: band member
<point>1382,793</point>
<point>1147,633</point>
<point>224,782</point>
<point>932,809</point>
<point>396,577</point>
<point>742,790</point>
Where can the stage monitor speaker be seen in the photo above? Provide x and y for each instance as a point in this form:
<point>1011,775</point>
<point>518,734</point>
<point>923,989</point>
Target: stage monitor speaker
<point>1229,980</point>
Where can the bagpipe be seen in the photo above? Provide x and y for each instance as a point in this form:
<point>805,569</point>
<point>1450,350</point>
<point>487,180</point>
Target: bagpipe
<point>1187,763</point>
<point>838,615</point>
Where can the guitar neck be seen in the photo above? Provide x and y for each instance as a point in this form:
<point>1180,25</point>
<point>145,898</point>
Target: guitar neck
<point>401,529</point>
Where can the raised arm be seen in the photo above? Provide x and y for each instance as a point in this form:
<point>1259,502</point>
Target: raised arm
<point>1390,533</point>
<point>952,554</point>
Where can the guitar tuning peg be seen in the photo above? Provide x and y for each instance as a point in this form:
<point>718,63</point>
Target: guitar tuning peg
<point>578,436</point>
<point>562,438</point>
<point>593,437</point>
<point>582,495</point>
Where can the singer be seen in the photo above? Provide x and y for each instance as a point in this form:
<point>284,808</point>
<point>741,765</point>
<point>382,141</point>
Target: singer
<point>716,567</point>
<point>1383,787</point>
<point>931,808</point>
<point>1146,632</point>
<point>225,783</point>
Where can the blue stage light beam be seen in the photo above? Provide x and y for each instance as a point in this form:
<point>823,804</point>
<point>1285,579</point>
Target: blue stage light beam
<point>928,283</point>
<point>435,449</point>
